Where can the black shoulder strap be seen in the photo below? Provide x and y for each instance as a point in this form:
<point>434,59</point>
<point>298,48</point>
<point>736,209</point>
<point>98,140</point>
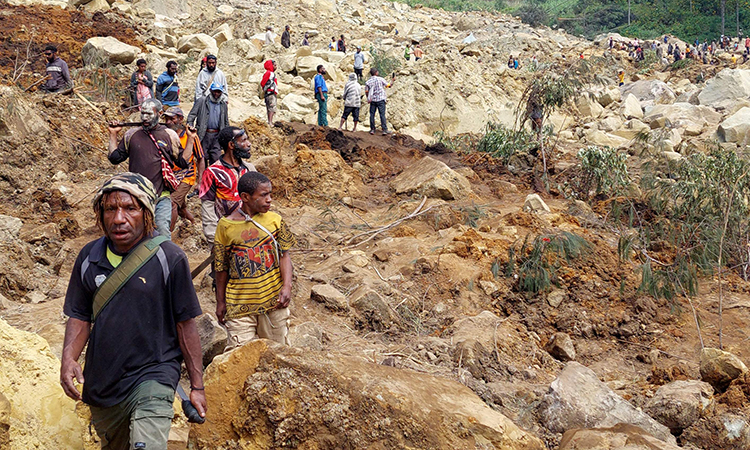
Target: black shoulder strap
<point>125,271</point>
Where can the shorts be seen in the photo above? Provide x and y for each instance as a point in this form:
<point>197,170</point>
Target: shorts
<point>180,194</point>
<point>273,325</point>
<point>142,420</point>
<point>353,110</point>
<point>271,103</point>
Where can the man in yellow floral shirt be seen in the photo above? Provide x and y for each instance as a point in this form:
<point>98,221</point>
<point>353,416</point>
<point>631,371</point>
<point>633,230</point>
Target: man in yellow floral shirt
<point>253,267</point>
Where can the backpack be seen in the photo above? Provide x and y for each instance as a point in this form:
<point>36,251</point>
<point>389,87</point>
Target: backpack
<point>268,88</point>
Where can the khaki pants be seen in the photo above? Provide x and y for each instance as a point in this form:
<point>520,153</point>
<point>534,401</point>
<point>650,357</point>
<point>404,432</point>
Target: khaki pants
<point>209,220</point>
<point>142,420</point>
<point>273,325</point>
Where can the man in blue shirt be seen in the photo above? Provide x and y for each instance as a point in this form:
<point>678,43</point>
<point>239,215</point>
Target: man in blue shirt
<point>321,95</point>
<point>167,89</point>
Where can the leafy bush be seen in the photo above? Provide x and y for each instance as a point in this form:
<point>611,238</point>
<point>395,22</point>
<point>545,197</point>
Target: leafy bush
<point>604,170</point>
<point>694,220</point>
<point>502,142</point>
<point>385,64</point>
<point>536,263</point>
<point>532,14</point>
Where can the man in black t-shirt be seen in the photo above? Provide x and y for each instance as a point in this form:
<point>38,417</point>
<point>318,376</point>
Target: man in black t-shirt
<point>140,336</point>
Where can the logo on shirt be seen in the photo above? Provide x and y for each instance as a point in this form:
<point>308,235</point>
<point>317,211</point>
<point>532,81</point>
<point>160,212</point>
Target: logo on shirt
<point>99,279</point>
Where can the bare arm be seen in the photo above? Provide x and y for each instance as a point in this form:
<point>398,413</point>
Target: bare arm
<point>190,344</point>
<point>221,290</point>
<point>76,335</point>
<point>285,267</point>
<point>113,138</point>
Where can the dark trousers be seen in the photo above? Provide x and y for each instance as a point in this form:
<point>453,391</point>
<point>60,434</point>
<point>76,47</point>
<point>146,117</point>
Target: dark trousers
<point>211,148</point>
<point>380,107</point>
<point>358,72</point>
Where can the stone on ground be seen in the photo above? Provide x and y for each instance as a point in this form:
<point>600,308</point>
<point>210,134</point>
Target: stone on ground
<point>561,347</point>
<point>432,178</point>
<point>578,399</point>
<point>726,87</point>
<point>198,41</point>
<point>619,437</point>
<point>649,90</point>
<point>535,204</point>
<point>267,396</point>
<point>679,404</point>
<point>735,128</point>
<point>631,107</point>
<point>719,368</point>
<point>100,50</point>
<point>330,297</point>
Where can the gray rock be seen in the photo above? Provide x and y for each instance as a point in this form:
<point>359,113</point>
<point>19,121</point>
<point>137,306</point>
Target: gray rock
<point>645,90</point>
<point>560,346</point>
<point>577,399</point>
<point>556,297</point>
<point>307,335</point>
<point>98,50</point>
<point>432,178</point>
<point>619,437</point>
<point>736,127</point>
<point>372,311</point>
<point>213,337</point>
<point>679,404</point>
<point>330,297</point>
<point>719,368</point>
<point>723,431</point>
<point>199,41</point>
<point>726,87</point>
<point>10,228</point>
<point>535,204</point>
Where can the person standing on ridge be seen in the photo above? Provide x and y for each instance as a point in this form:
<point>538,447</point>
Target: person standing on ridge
<point>286,38</point>
<point>269,84</point>
<point>352,101</point>
<point>321,95</point>
<point>376,96</point>
<point>359,62</point>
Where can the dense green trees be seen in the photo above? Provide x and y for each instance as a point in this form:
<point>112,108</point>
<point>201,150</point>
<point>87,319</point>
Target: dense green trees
<point>687,19</point>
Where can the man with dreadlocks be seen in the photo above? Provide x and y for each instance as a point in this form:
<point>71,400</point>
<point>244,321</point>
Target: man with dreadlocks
<point>132,299</point>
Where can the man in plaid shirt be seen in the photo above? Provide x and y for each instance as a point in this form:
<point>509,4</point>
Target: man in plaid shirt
<point>376,97</point>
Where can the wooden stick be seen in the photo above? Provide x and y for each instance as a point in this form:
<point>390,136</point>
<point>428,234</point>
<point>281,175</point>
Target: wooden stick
<point>91,105</point>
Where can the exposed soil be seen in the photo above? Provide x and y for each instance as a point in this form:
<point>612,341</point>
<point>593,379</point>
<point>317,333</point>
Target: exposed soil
<point>28,30</point>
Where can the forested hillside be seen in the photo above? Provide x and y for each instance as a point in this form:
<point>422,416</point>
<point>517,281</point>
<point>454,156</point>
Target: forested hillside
<point>687,19</point>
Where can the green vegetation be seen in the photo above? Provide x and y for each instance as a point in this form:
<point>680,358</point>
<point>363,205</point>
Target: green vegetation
<point>535,264</point>
<point>603,170</point>
<point>686,19</point>
<point>385,64</point>
<point>502,142</point>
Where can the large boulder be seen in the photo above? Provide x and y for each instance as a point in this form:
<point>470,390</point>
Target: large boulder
<point>298,106</point>
<point>18,116</point>
<point>588,106</point>
<point>736,127</point>
<point>692,119</point>
<point>650,90</point>
<point>238,51</point>
<point>725,88</point>
<point>40,414</point>
<point>619,437</point>
<point>222,34</point>
<point>610,95</point>
<point>268,396</point>
<point>307,67</point>
<point>198,41</point>
<point>631,107</point>
<point>100,50</point>
<point>432,178</point>
<point>577,399</point>
<point>602,139</point>
<point>719,368</point>
<point>679,404</point>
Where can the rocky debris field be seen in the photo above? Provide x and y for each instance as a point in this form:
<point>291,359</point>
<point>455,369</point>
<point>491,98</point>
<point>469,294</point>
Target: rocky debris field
<point>410,327</point>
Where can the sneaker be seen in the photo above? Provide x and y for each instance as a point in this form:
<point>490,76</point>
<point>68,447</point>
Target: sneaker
<point>386,133</point>
<point>372,132</point>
